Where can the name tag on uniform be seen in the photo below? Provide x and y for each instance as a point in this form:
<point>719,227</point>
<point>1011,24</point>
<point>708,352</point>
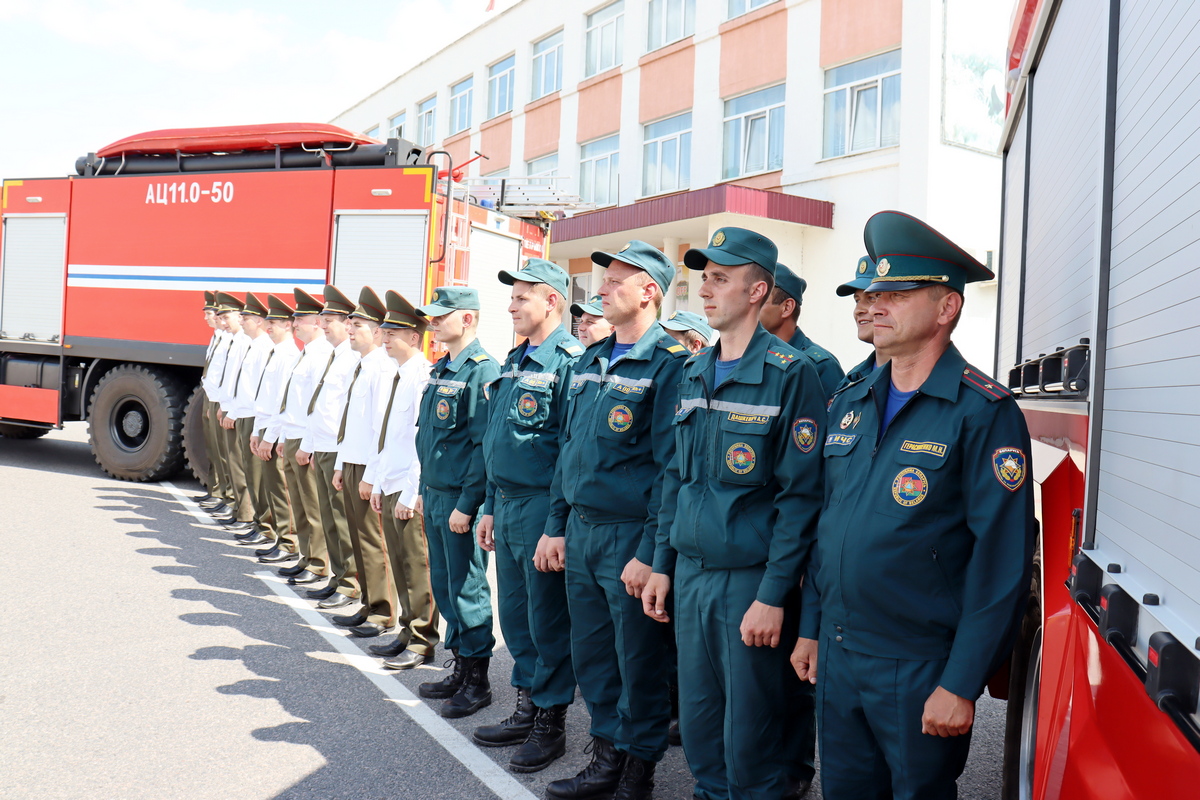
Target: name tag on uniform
<point>534,383</point>
<point>932,448</point>
<point>623,389</point>
<point>757,419</point>
<point>449,391</point>
<point>844,439</point>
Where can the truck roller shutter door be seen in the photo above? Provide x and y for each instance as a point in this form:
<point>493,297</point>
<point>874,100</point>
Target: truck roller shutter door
<point>1010,252</point>
<point>490,253</point>
<point>31,277</point>
<point>383,251</point>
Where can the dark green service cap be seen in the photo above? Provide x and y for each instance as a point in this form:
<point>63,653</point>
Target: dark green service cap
<point>689,321</point>
<point>450,298</point>
<point>210,300</point>
<point>227,302</point>
<point>730,247</point>
<point>254,306</point>
<point>539,270</point>
<point>594,306</point>
<point>369,306</point>
<point>909,254</point>
<point>790,282</point>
<point>645,257</point>
<point>336,302</point>
<point>864,276</point>
<point>306,304</point>
<point>402,314</point>
<point>277,308</point>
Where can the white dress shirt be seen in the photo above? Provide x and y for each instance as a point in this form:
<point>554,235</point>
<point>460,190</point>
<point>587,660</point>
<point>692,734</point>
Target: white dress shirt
<point>365,402</point>
<point>215,358</point>
<point>235,355</point>
<point>242,403</point>
<point>292,419</point>
<point>396,468</point>
<point>269,395</point>
<point>321,433</point>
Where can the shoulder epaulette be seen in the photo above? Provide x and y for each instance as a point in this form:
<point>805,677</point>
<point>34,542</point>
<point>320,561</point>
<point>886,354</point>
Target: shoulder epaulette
<point>983,384</point>
<point>816,354</point>
<point>571,348</point>
<point>698,353</point>
<point>668,343</point>
<point>480,357</point>
<point>781,357</point>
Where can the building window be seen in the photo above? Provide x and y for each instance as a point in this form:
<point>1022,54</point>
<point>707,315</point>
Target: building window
<point>739,7</point>
<point>396,126</point>
<point>460,105</point>
<point>598,167</point>
<point>667,155</point>
<point>373,132</point>
<point>670,21</point>
<point>547,65</point>
<point>754,133</point>
<point>604,36</point>
<point>544,167</point>
<point>862,105</point>
<point>500,87</point>
<point>426,117</point>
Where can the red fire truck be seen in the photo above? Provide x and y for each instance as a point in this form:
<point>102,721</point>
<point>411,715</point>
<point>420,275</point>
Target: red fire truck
<point>1096,331</point>
<point>102,273</point>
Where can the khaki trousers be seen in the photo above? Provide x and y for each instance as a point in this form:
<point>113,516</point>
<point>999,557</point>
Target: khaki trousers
<point>253,467</point>
<point>408,558</point>
<point>275,494</point>
<point>239,478</point>
<point>216,481</point>
<point>367,539</point>
<point>342,566</point>
<point>306,510</point>
<point>221,455</point>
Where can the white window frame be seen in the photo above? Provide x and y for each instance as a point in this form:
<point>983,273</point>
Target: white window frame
<point>601,24</point>
<point>850,91</point>
<point>683,155</point>
<point>500,87</point>
<point>427,121</point>
<point>540,167</point>
<point>396,125</point>
<point>736,8</point>
<point>547,64</point>
<point>372,132</point>
<point>589,167</point>
<point>662,10</point>
<point>747,119</point>
<point>460,104</point>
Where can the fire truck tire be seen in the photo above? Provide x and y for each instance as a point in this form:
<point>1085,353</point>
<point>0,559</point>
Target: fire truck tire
<point>195,448</point>
<point>21,431</point>
<point>1024,682</point>
<point>135,423</point>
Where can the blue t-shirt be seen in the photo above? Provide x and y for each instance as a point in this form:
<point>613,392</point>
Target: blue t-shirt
<point>723,368</point>
<point>530,349</point>
<point>619,351</point>
<point>895,402</point>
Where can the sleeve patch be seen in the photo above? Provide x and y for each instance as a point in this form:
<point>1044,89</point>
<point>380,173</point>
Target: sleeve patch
<point>804,434</point>
<point>1009,465</point>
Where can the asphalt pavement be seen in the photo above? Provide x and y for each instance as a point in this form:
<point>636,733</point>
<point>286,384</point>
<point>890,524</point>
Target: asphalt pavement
<point>145,655</point>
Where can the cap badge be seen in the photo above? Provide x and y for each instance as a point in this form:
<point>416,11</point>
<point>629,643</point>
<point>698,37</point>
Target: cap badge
<point>718,239</point>
<point>883,267</point>
<point>437,295</point>
<point>847,420</point>
<point>626,247</point>
<point>862,267</point>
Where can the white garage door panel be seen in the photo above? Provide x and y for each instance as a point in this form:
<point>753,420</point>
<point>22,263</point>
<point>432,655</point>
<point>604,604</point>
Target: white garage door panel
<point>490,253</point>
<point>383,251</point>
<point>32,277</point>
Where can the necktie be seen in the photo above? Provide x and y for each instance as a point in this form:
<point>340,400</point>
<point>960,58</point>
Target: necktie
<point>346,410</point>
<point>313,402</point>
<point>263,374</point>
<point>225,363</point>
<point>208,355</point>
<point>288,385</point>
<point>388,413</point>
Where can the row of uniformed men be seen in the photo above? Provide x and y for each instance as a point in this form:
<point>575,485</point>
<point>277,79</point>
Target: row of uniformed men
<point>604,479</point>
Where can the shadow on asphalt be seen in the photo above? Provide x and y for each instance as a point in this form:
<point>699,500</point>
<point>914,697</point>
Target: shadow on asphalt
<point>50,454</point>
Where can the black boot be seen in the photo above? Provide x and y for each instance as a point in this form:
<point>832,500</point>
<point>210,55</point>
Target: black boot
<point>515,729</point>
<point>637,780</point>
<point>474,693</point>
<point>598,779</point>
<point>447,686</point>
<point>546,742</point>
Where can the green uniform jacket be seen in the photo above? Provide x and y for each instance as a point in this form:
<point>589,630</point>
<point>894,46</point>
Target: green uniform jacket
<point>925,543</point>
<point>744,488</point>
<point>527,403</point>
<point>618,438</point>
<point>828,367</point>
<point>453,417</point>
<point>858,372</point>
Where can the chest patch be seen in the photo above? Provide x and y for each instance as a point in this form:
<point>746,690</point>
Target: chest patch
<point>534,383</point>
<point>625,389</point>
<point>527,405</point>
<point>910,487</point>
<point>1009,466</point>
<point>844,439</point>
<point>450,391</point>
<point>443,408</point>
<point>804,434</point>
<point>757,419</point>
<point>740,458</point>
<point>620,419</point>
<point>932,448</point>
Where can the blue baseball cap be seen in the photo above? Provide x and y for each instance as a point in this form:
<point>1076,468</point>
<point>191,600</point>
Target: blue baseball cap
<point>593,307</point>
<point>689,321</point>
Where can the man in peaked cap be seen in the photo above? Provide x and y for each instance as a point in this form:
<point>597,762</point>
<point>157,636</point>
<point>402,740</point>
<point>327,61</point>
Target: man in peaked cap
<point>690,330</point>
<point>864,324</point>
<point>921,609</point>
<point>740,503</point>
<point>217,343</point>
<point>592,325</point>
<point>606,496</point>
<point>450,429</point>
<point>520,449</point>
<point>358,433</point>
<point>324,406</point>
<point>241,326</point>
<point>395,473</point>
<point>780,315</point>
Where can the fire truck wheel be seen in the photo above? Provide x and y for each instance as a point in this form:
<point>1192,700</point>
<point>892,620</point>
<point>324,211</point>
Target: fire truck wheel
<point>1024,682</point>
<point>135,423</point>
<point>21,431</point>
<point>195,448</point>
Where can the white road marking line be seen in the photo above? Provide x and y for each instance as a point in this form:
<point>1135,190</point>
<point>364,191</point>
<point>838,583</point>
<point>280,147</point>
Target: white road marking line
<point>489,772</point>
<point>193,509</point>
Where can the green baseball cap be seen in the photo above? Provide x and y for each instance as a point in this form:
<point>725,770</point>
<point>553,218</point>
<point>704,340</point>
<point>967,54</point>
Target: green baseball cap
<point>401,313</point>
<point>689,321</point>
<point>539,270</point>
<point>369,307</point>
<point>643,256</point>
<point>227,302</point>
<point>450,298</point>
<point>277,308</point>
<point>864,276</point>
<point>594,307</point>
<point>336,302</point>
<point>306,304</point>
<point>733,246</point>
<point>790,282</point>
<point>254,306</point>
<point>909,254</point>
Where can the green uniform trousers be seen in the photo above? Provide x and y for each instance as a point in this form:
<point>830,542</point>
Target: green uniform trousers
<point>621,655</point>
<point>733,723</point>
<point>252,467</point>
<point>239,479</point>
<point>306,510</point>
<point>274,492</point>
<point>343,569</point>
<point>408,559</point>
<point>533,605</point>
<point>366,537</point>
<point>869,711</point>
<point>225,458</point>
<point>458,574</point>
<point>216,480</point>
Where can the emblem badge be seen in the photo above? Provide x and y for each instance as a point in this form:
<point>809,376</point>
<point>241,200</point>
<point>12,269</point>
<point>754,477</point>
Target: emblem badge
<point>740,458</point>
<point>857,417</point>
<point>862,267</point>
<point>847,420</point>
<point>443,409</point>
<point>883,267</point>
<point>626,247</point>
<point>1009,465</point>
<point>718,239</point>
<point>910,487</point>
<point>804,434</point>
<point>527,405</point>
<point>620,419</point>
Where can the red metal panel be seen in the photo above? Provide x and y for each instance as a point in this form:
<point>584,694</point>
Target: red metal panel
<point>37,196</point>
<point>411,188</point>
<point>29,405</point>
